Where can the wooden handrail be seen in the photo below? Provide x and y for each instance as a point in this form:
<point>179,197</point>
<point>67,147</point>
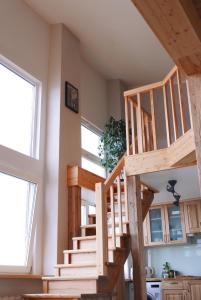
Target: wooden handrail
<point>77,176</point>
<point>116,172</point>
<point>152,86</point>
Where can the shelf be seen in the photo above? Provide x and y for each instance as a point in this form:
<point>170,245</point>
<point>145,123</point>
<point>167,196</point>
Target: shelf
<point>155,219</point>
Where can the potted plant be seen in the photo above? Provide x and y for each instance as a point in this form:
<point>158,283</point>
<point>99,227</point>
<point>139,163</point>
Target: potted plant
<point>112,143</point>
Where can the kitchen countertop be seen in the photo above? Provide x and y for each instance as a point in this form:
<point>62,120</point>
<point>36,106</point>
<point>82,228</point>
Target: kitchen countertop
<point>177,278</point>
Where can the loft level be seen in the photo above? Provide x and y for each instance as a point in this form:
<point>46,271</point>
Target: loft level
<point>158,126</point>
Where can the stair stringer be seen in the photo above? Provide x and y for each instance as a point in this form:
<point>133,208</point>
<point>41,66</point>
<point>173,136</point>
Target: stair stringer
<point>108,283</point>
<point>180,154</point>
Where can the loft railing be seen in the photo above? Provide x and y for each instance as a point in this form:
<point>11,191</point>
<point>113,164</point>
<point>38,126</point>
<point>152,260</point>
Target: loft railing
<point>157,114</point>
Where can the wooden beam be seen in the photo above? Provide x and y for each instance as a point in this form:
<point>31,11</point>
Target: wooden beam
<point>136,235</point>
<point>178,27</point>
<point>163,159</point>
<point>74,213</point>
<point>147,200</point>
<point>77,176</point>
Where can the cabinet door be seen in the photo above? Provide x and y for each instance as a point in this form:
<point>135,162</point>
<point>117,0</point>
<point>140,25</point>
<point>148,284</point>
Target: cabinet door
<point>192,210</point>
<point>175,226</point>
<point>195,290</point>
<point>175,295</point>
<point>156,226</point>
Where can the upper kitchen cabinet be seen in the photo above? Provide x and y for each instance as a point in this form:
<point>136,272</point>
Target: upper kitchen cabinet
<point>192,211</point>
<point>175,225</point>
<point>164,225</point>
<point>155,226</point>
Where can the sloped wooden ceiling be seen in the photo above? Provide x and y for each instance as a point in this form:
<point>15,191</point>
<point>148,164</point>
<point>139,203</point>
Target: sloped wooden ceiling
<point>177,24</point>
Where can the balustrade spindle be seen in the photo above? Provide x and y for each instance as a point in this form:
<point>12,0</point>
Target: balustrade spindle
<point>173,106</point>
<point>167,118</point>
<point>181,103</point>
<point>139,125</point>
<point>132,127</point>
<point>126,195</point>
<point>112,209</point>
<point>153,120</point>
<point>127,126</point>
<point>119,204</point>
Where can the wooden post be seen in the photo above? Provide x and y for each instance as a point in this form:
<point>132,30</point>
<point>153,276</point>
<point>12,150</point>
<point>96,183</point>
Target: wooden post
<point>136,234</point>
<point>101,230</point>
<point>74,213</point>
<point>194,93</point>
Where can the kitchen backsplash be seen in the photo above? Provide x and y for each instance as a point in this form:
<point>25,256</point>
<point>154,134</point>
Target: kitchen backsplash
<point>183,258</point>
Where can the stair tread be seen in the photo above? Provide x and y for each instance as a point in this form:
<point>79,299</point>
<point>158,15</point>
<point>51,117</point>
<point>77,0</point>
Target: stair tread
<point>63,278</point>
<point>92,237</point>
<point>74,265</point>
<point>52,296</point>
<point>94,225</point>
<point>79,251</point>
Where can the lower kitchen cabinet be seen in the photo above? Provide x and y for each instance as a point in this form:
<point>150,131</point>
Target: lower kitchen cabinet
<point>195,290</point>
<point>176,295</point>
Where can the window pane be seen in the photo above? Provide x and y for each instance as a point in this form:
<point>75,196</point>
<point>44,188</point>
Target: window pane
<point>90,140</point>
<point>17,199</point>
<point>17,110</point>
<point>92,167</point>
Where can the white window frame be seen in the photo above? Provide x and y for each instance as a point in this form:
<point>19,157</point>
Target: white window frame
<point>86,154</point>
<point>28,168</point>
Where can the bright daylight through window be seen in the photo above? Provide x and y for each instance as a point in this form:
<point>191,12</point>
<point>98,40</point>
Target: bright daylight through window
<point>17,112</point>
<point>19,179</point>
<point>90,158</point>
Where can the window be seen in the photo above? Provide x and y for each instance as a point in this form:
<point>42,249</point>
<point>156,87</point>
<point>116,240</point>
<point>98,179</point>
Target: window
<point>16,215</point>
<point>17,113</point>
<point>21,167</point>
<point>90,158</point>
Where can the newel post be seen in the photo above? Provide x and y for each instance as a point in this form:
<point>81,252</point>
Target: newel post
<point>136,235</point>
<point>101,230</point>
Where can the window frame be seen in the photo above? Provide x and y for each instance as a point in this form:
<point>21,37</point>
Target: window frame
<point>29,168</point>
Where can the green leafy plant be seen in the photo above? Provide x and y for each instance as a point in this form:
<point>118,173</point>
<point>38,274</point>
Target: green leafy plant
<point>166,267</point>
<point>112,143</point>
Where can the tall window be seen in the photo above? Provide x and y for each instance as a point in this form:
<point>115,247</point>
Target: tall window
<point>20,166</point>
<point>90,158</point>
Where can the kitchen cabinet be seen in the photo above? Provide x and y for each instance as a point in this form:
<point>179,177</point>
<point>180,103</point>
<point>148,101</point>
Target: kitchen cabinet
<point>176,295</point>
<point>163,225</point>
<point>181,289</point>
<point>195,289</point>
<point>175,224</point>
<point>192,212</point>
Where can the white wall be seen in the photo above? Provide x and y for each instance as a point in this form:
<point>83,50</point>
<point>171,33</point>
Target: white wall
<point>93,91</point>
<point>186,259</point>
<point>25,42</point>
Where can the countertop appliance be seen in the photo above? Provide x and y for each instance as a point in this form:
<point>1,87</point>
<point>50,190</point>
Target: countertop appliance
<point>154,290</point>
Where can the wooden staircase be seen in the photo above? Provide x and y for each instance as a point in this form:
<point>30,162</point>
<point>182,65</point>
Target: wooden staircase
<point>83,275</point>
<point>99,250</point>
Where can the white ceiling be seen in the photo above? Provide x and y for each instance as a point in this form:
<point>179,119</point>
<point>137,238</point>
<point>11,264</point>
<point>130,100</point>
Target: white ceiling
<point>187,183</point>
<point>114,37</point>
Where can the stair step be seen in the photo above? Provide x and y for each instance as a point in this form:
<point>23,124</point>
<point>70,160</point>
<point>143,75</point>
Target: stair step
<point>85,228</point>
<point>72,286</point>
<point>50,296</point>
<point>76,270</point>
<point>89,242</point>
<point>79,256</point>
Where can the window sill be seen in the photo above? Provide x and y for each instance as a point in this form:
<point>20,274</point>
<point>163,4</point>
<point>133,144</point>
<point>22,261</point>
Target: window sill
<point>19,276</point>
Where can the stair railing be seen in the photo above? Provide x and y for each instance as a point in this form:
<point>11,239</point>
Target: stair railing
<point>111,213</point>
<point>157,114</point>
